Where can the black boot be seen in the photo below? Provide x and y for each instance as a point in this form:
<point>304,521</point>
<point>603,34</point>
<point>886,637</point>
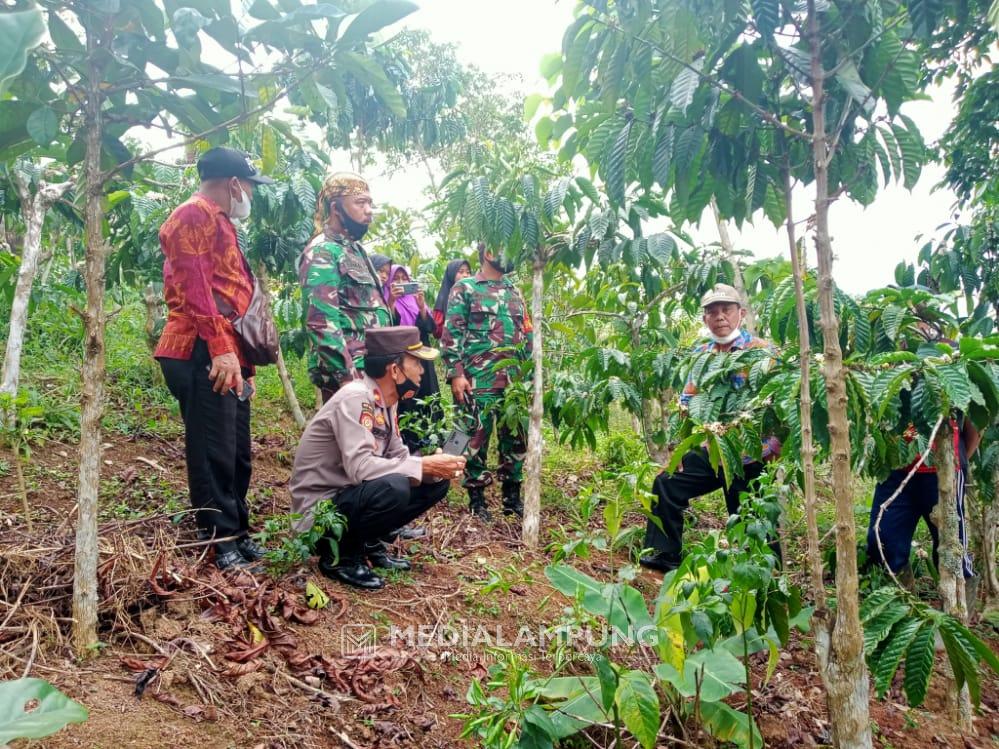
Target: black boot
<point>227,556</point>
<point>352,571</point>
<point>250,549</point>
<point>660,561</point>
<point>378,555</point>
<point>512,505</point>
<point>477,504</point>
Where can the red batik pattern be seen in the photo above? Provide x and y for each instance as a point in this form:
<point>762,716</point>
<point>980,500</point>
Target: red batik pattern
<point>202,261</point>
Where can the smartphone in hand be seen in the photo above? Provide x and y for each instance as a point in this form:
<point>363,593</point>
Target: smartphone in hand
<point>408,287</point>
<point>456,444</point>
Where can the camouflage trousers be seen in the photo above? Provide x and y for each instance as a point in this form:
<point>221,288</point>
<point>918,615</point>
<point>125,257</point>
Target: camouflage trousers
<point>512,444</point>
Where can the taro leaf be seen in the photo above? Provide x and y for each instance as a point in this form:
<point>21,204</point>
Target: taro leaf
<point>716,672</point>
<point>728,724</point>
<point>53,711</point>
<point>638,707</point>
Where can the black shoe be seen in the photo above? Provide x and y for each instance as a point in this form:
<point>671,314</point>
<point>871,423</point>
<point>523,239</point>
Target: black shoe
<point>512,505</point>
<point>408,533</point>
<point>227,556</point>
<point>477,504</point>
<point>660,561</point>
<point>250,549</point>
<point>379,557</point>
<point>353,572</point>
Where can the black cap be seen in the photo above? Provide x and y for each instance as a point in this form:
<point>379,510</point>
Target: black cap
<point>397,339</point>
<point>222,163</point>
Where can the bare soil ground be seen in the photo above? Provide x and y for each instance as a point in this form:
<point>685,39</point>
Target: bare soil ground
<point>240,661</point>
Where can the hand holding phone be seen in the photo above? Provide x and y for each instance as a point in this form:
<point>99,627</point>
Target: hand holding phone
<point>407,287</point>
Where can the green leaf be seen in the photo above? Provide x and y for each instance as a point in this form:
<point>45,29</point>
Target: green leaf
<point>714,674</point>
<point>849,78</point>
<point>63,37</point>
<point>919,664</point>
<point>638,706</point>
<point>551,65</point>
<point>375,17</point>
<point>43,126</point>
<point>685,85</point>
<point>608,680</point>
<point>52,712</point>
<point>614,169</point>
<point>924,14</point>
<point>897,642</point>
<point>531,104</point>
<point>586,186</point>
<point>962,657</point>
<point>369,72</point>
<point>766,13</point>
<point>955,383</point>
<point>728,724</point>
<point>21,31</point>
<point>264,11</point>
<point>878,627</point>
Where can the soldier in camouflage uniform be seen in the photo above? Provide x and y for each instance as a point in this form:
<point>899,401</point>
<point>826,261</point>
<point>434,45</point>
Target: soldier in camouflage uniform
<point>341,291</point>
<point>486,316</point>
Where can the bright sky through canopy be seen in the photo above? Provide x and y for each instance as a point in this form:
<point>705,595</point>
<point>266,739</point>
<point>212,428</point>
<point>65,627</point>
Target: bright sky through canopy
<point>512,36</point>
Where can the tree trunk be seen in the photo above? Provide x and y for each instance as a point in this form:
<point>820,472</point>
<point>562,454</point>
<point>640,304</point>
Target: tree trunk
<point>535,447</point>
<point>289,388</point>
<point>840,649</point>
<point>944,516</point>
<point>737,280</point>
<point>33,210</point>
<point>92,389</point>
<point>798,269</point>
<point>990,526</point>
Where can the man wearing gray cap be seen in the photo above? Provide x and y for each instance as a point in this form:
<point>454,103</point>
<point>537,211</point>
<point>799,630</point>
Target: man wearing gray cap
<point>724,314</point>
<point>352,453</point>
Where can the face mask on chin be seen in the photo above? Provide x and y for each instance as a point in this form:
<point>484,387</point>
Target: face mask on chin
<point>407,388</point>
<point>500,267</point>
<point>355,229</point>
<point>239,209</point>
<point>725,340</point>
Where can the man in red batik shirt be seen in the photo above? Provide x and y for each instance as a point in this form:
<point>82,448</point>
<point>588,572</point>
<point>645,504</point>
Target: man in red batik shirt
<point>201,354</point>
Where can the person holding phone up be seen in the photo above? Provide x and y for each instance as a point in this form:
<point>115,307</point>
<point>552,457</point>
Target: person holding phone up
<point>408,303</point>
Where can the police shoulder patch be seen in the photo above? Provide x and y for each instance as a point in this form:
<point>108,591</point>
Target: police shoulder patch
<point>367,416</point>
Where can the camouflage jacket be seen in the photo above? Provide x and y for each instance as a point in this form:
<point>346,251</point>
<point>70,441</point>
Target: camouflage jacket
<point>485,319</point>
<point>341,296</point>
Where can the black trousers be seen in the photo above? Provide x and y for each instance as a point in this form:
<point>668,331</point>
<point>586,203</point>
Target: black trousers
<point>673,495</point>
<point>375,508</point>
<point>216,444</point>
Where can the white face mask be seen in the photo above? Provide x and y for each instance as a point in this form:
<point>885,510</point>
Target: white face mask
<point>724,340</point>
<point>240,209</point>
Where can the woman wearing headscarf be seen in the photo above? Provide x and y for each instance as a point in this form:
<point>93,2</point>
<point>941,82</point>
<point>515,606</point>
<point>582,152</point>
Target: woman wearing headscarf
<point>381,264</point>
<point>411,309</point>
<point>456,270</point>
